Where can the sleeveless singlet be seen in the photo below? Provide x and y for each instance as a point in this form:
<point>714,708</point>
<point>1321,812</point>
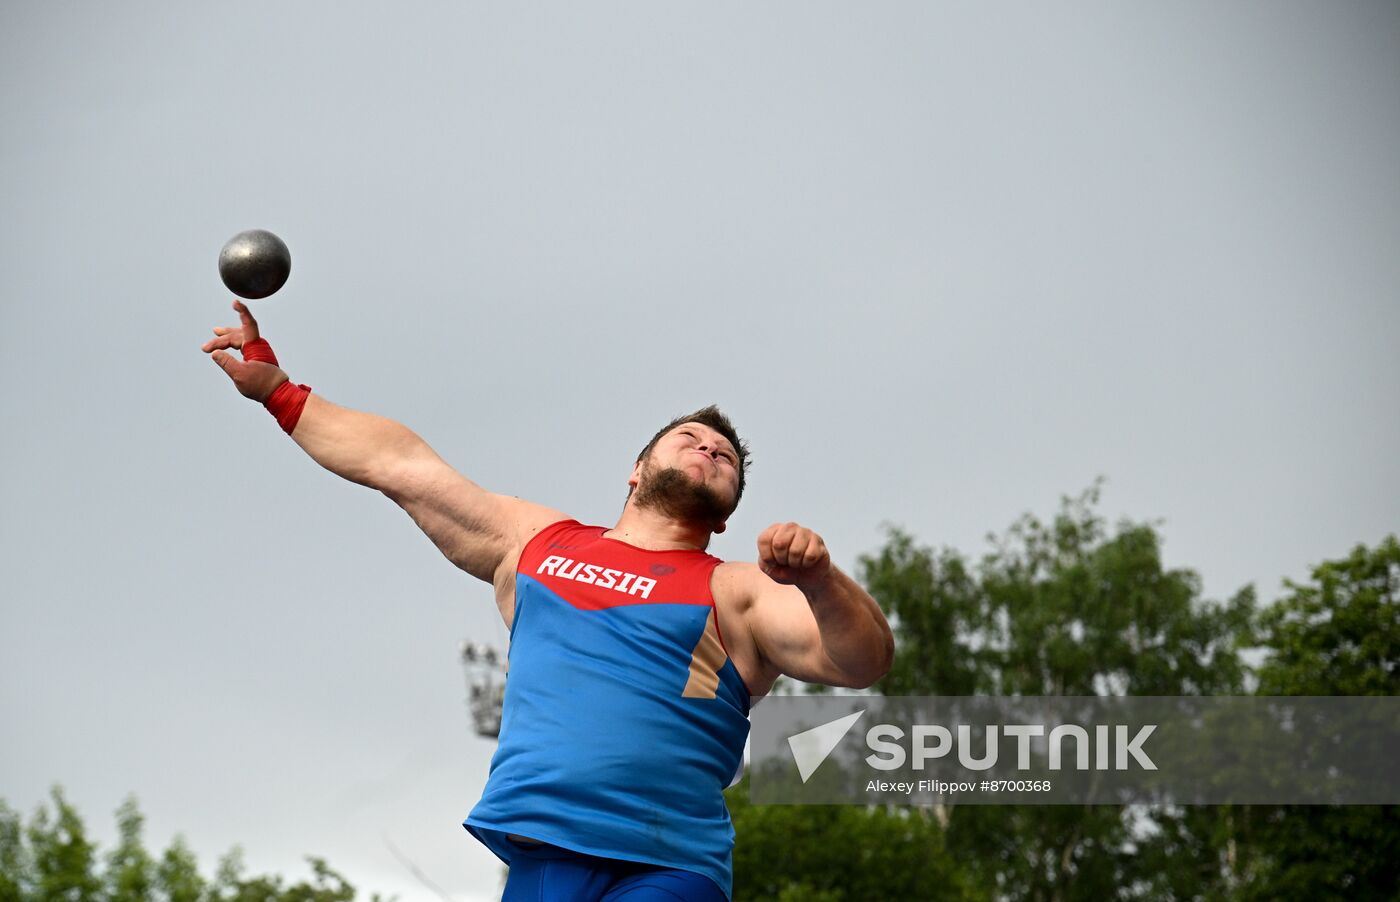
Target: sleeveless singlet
<point>624,718</point>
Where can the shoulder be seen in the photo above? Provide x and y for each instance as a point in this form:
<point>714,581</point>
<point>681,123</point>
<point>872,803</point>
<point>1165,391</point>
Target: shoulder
<point>529,526</point>
<point>547,529</point>
<point>736,584</point>
<point>735,588</point>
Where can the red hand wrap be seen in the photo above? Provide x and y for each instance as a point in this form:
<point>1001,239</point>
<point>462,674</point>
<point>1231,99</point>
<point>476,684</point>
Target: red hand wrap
<point>258,349</point>
<point>285,403</point>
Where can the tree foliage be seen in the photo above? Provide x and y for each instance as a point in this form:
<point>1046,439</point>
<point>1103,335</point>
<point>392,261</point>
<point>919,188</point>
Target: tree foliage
<point>1336,634</point>
<point>839,853</point>
<point>1058,608</point>
<point>53,860</point>
<point>1072,607</point>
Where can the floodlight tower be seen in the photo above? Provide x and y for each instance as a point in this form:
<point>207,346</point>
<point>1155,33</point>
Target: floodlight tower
<point>486,687</point>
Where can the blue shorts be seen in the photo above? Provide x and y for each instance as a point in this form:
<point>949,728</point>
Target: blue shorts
<point>545,873</point>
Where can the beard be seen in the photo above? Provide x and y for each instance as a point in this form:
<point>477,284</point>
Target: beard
<point>669,491</point>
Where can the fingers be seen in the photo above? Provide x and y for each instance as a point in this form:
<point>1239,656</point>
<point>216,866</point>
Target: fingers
<point>765,543</point>
<point>813,554</point>
<point>227,362</point>
<point>791,545</point>
<point>231,338</point>
<point>250,325</point>
<point>227,337</point>
<point>243,337</point>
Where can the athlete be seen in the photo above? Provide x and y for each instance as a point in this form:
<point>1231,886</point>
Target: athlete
<point>634,654</point>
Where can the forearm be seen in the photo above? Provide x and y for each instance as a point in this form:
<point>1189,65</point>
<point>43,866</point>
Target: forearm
<point>854,632</point>
<point>361,447</point>
<point>473,528</point>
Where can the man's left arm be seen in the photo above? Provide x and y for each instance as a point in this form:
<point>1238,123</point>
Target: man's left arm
<point>808,619</point>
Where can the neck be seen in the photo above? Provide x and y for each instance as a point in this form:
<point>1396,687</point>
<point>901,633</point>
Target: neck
<point>654,531</point>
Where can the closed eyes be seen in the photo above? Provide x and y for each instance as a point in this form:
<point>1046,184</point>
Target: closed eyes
<point>723,452</point>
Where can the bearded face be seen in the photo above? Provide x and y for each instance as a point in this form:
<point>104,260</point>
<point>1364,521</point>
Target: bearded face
<point>671,492</point>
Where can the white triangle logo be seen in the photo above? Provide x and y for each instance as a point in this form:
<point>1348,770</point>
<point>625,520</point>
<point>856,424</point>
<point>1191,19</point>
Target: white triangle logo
<point>810,748</point>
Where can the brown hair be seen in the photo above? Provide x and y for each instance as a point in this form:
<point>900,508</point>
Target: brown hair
<point>712,417</point>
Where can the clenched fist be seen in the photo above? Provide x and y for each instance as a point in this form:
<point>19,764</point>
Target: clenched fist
<point>257,374</point>
<point>793,555</point>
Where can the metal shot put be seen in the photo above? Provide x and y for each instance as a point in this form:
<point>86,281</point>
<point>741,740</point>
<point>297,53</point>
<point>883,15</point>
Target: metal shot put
<point>255,264</point>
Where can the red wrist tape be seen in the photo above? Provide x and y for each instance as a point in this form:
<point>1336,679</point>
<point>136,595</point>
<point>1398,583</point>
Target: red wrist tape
<point>259,349</point>
<point>285,403</point>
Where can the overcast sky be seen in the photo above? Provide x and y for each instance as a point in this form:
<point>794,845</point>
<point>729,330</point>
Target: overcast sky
<point>943,263</point>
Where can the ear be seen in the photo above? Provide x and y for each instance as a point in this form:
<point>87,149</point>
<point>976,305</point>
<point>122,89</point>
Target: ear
<point>636,478</point>
<point>718,527</point>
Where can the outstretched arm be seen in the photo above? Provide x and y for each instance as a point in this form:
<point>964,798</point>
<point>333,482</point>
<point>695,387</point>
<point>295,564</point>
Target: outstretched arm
<point>807,618</point>
<point>475,529</point>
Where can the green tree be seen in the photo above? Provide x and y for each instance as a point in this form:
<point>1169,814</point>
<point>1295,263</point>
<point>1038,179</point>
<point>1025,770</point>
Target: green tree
<point>1059,608</point>
<point>839,853</point>
<point>130,870</point>
<point>228,874</point>
<point>52,860</point>
<point>15,870</point>
<point>326,886</point>
<point>177,875</point>
<point>230,885</point>
<point>1066,607</point>
<point>1062,608</point>
<point>1336,634</point>
<point>64,859</point>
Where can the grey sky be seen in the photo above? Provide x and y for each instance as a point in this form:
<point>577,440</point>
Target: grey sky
<point>942,262</point>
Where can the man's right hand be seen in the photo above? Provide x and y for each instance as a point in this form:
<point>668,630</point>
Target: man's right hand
<point>254,379</point>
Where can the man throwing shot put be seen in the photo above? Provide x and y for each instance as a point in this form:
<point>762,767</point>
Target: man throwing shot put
<point>634,654</point>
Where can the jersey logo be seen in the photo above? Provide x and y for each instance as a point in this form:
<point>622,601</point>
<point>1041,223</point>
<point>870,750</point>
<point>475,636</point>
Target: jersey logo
<point>597,575</point>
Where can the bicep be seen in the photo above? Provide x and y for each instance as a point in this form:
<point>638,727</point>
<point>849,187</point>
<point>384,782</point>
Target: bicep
<point>785,631</point>
<point>475,529</point>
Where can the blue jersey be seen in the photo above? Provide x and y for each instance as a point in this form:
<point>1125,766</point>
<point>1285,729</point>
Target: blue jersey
<point>624,718</point>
